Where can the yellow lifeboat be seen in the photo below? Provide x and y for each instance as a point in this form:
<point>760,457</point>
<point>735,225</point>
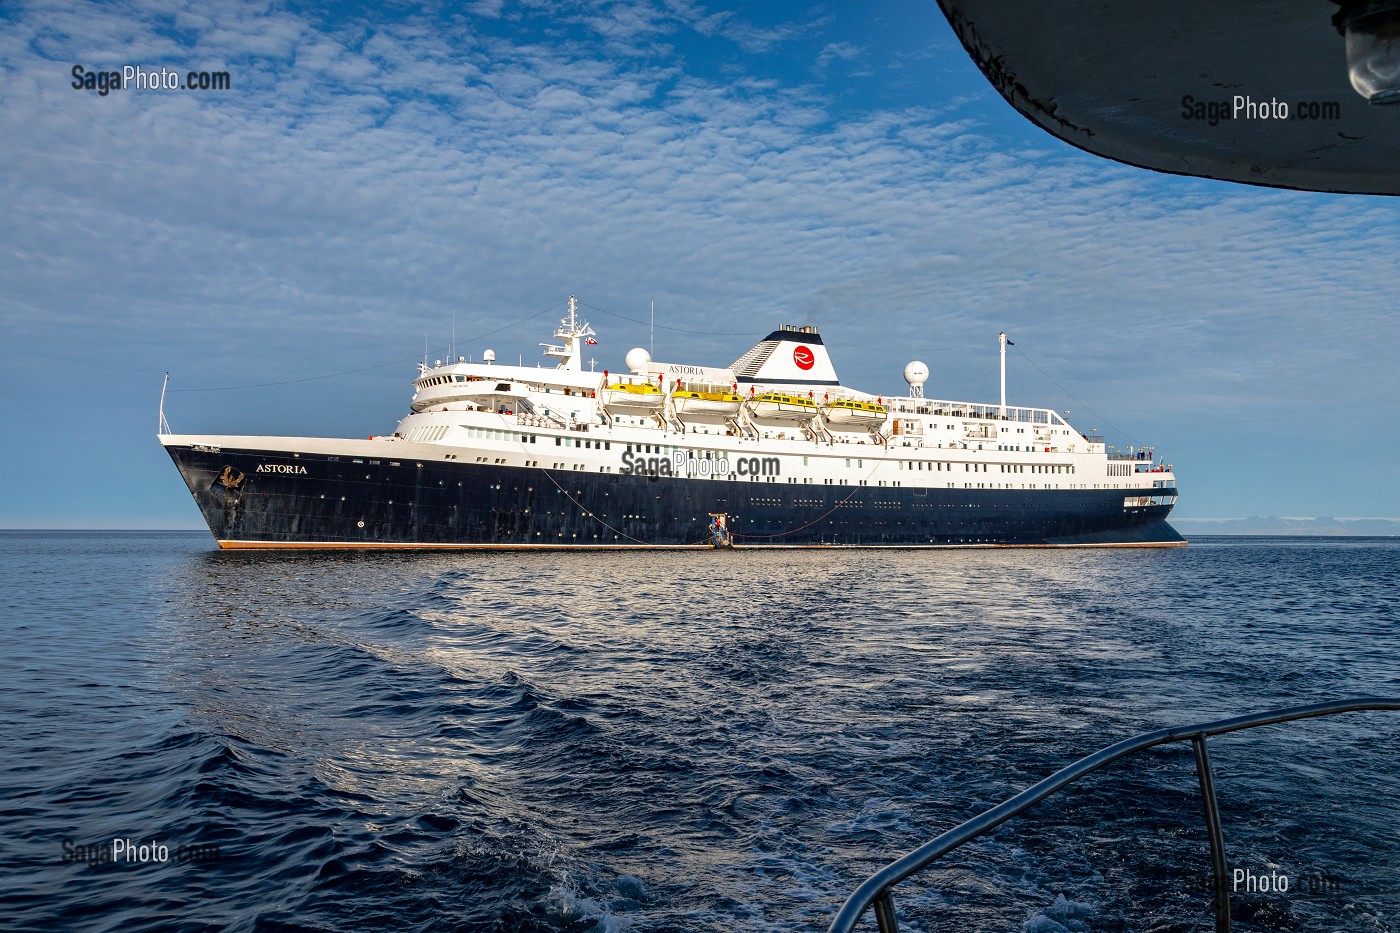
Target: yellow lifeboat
<point>705,403</point>
<point>779,406</point>
<point>631,397</point>
<point>854,413</point>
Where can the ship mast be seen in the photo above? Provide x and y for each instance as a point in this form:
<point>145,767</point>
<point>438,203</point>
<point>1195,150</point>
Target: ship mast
<point>1001,339</point>
<point>570,355</point>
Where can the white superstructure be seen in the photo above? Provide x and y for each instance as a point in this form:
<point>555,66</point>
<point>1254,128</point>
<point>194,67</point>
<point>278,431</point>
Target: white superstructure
<point>568,418</point>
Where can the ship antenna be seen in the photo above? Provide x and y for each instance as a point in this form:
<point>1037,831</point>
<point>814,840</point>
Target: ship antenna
<point>651,341</point>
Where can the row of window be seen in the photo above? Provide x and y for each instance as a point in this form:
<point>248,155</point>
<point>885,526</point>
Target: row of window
<point>1037,468</point>
<point>439,431</point>
<point>435,433</point>
<point>444,380</point>
<point>430,381</point>
<point>497,434</point>
<point>984,412</point>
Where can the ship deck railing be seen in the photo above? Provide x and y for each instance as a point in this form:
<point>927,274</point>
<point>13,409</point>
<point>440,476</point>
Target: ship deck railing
<point>877,890</point>
<point>981,411</point>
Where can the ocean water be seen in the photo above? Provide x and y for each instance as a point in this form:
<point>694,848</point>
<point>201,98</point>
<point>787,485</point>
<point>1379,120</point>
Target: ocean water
<point>672,741</point>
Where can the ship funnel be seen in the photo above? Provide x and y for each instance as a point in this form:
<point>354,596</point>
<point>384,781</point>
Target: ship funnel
<point>789,355</point>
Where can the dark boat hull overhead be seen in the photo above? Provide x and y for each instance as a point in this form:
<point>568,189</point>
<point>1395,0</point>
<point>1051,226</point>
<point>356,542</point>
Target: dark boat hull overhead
<point>1146,83</point>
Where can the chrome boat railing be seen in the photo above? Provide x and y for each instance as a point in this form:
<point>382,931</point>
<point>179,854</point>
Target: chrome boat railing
<point>875,891</point>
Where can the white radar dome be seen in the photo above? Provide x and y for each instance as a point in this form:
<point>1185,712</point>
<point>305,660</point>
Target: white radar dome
<point>489,356</point>
<point>637,360</point>
<point>916,373</point>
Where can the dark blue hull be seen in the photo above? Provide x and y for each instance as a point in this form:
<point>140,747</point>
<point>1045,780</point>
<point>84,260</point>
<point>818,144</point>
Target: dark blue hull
<point>254,498</point>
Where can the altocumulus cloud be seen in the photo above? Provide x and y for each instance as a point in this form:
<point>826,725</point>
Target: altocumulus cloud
<point>365,176</point>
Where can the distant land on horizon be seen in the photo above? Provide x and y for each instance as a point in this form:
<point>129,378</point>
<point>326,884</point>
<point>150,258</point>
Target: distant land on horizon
<point>1276,525</point>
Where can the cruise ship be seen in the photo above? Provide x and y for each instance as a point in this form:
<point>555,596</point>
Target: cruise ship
<point>771,451</point>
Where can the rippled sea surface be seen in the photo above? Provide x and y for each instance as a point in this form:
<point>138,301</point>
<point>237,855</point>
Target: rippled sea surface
<point>684,741</point>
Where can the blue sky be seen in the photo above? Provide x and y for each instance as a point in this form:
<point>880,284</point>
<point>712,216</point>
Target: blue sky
<point>372,175</point>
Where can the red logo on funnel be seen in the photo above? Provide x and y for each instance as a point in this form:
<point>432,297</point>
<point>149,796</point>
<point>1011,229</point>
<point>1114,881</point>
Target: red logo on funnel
<point>803,357</point>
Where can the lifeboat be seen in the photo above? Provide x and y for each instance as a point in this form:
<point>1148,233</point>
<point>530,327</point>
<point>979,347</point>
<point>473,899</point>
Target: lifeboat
<point>779,406</point>
<point>853,413</point>
<point>631,397</point>
<point>705,403</point>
